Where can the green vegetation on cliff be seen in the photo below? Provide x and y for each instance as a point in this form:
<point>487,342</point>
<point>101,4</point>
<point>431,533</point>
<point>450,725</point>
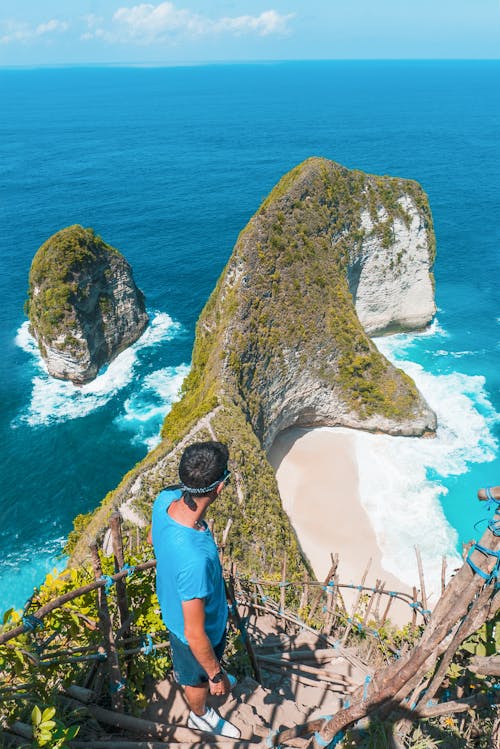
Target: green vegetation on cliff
<point>53,280</point>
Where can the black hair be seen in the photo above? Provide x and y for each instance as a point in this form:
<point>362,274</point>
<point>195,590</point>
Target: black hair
<point>202,464</point>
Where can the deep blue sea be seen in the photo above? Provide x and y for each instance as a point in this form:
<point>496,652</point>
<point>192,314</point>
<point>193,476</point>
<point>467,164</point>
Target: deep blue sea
<point>168,165</point>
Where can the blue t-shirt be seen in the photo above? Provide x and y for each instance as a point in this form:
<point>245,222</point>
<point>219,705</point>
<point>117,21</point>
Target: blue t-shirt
<point>187,567</point>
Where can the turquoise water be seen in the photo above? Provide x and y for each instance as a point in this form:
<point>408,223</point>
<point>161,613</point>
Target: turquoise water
<point>168,165</point>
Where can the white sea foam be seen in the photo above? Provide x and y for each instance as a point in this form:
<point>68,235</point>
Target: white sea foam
<point>57,400</point>
<point>146,409</point>
<point>403,504</point>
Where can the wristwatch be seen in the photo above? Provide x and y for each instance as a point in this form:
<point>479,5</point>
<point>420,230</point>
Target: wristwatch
<point>217,678</point>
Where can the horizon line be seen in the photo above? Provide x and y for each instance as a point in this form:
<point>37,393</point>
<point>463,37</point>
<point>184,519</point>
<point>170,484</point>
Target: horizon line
<point>207,63</point>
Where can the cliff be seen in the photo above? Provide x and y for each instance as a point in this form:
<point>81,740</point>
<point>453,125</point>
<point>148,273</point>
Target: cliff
<point>331,255</point>
<point>83,305</point>
<point>280,343</point>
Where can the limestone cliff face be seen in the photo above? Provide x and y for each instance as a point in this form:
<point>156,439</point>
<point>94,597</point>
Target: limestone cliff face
<point>83,305</point>
<point>330,256</point>
<point>390,281</point>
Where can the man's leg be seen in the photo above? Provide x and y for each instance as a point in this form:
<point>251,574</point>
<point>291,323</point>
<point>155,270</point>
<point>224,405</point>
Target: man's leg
<point>197,698</point>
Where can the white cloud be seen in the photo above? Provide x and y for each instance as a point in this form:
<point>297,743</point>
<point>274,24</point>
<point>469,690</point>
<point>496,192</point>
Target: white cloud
<point>269,22</point>
<point>15,31</point>
<point>147,23</point>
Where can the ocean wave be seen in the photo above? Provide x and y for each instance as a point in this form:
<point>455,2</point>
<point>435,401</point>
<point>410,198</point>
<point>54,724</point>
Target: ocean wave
<point>146,409</point>
<point>22,570</point>
<point>404,505</point>
<point>58,400</point>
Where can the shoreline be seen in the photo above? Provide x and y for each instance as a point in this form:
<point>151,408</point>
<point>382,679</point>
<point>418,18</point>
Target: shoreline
<point>318,481</point>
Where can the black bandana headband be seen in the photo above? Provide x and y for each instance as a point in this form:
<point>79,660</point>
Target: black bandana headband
<point>207,489</point>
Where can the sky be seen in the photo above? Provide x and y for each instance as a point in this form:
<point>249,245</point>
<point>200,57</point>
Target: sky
<point>64,32</point>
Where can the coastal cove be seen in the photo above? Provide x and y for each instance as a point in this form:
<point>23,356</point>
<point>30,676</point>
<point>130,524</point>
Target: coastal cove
<point>80,443</point>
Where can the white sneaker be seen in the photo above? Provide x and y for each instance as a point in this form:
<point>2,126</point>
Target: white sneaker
<point>211,722</point>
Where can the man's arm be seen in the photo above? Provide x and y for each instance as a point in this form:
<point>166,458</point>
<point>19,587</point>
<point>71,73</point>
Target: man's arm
<point>201,647</point>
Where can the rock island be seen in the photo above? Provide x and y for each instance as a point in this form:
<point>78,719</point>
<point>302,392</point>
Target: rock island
<point>83,304</point>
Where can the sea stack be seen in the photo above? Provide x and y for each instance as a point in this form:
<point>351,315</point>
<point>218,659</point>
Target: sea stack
<point>83,304</point>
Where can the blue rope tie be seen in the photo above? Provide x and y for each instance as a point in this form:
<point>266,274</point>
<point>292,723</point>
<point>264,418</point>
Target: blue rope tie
<point>347,703</point>
<point>130,569</point>
<point>489,495</point>
<point>365,688</point>
<point>148,647</point>
<point>392,593</point>
<point>270,739</point>
<point>117,686</point>
<point>31,622</point>
<point>330,744</point>
<point>494,526</point>
<point>109,582</point>
<point>488,552</point>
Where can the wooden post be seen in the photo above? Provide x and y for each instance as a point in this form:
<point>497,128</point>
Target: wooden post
<point>371,601</point>
<point>113,664</point>
<point>305,593</point>
<point>317,599</point>
<point>283,583</point>
<point>443,575</point>
<point>235,614</point>
<point>421,576</point>
<point>224,539</point>
<point>414,610</point>
<point>115,524</point>
<point>356,602</point>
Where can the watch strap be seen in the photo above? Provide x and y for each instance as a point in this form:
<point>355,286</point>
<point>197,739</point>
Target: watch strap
<point>217,678</point>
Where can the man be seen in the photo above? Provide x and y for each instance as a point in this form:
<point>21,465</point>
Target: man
<point>189,581</point>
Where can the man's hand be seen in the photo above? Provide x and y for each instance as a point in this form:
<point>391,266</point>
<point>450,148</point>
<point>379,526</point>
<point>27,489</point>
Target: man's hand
<point>220,688</point>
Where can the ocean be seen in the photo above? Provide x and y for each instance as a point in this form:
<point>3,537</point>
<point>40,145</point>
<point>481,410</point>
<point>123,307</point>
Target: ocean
<point>168,164</point>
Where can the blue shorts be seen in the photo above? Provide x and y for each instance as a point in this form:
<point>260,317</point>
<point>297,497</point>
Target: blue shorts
<point>187,670</point>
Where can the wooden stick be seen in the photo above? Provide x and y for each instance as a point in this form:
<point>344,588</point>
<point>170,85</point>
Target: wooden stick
<point>486,665</point>
<point>283,583</point>
<point>235,614</point>
<point>317,599</point>
<point>414,614</point>
<point>113,664</point>
<point>305,593</point>
<point>443,574</point>
<point>356,602</point>
<point>370,602</point>
<point>421,576</point>
<point>115,524</point>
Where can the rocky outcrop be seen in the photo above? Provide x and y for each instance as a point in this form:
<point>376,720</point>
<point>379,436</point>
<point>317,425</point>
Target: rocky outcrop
<point>84,306</point>
<point>331,255</point>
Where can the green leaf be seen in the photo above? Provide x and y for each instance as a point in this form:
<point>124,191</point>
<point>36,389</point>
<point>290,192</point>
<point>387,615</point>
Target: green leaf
<point>7,615</point>
<point>47,725</point>
<point>48,713</point>
<point>36,716</point>
<point>72,732</point>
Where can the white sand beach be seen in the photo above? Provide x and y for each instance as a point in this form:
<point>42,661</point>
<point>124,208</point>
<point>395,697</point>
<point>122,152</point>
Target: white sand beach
<point>317,476</point>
